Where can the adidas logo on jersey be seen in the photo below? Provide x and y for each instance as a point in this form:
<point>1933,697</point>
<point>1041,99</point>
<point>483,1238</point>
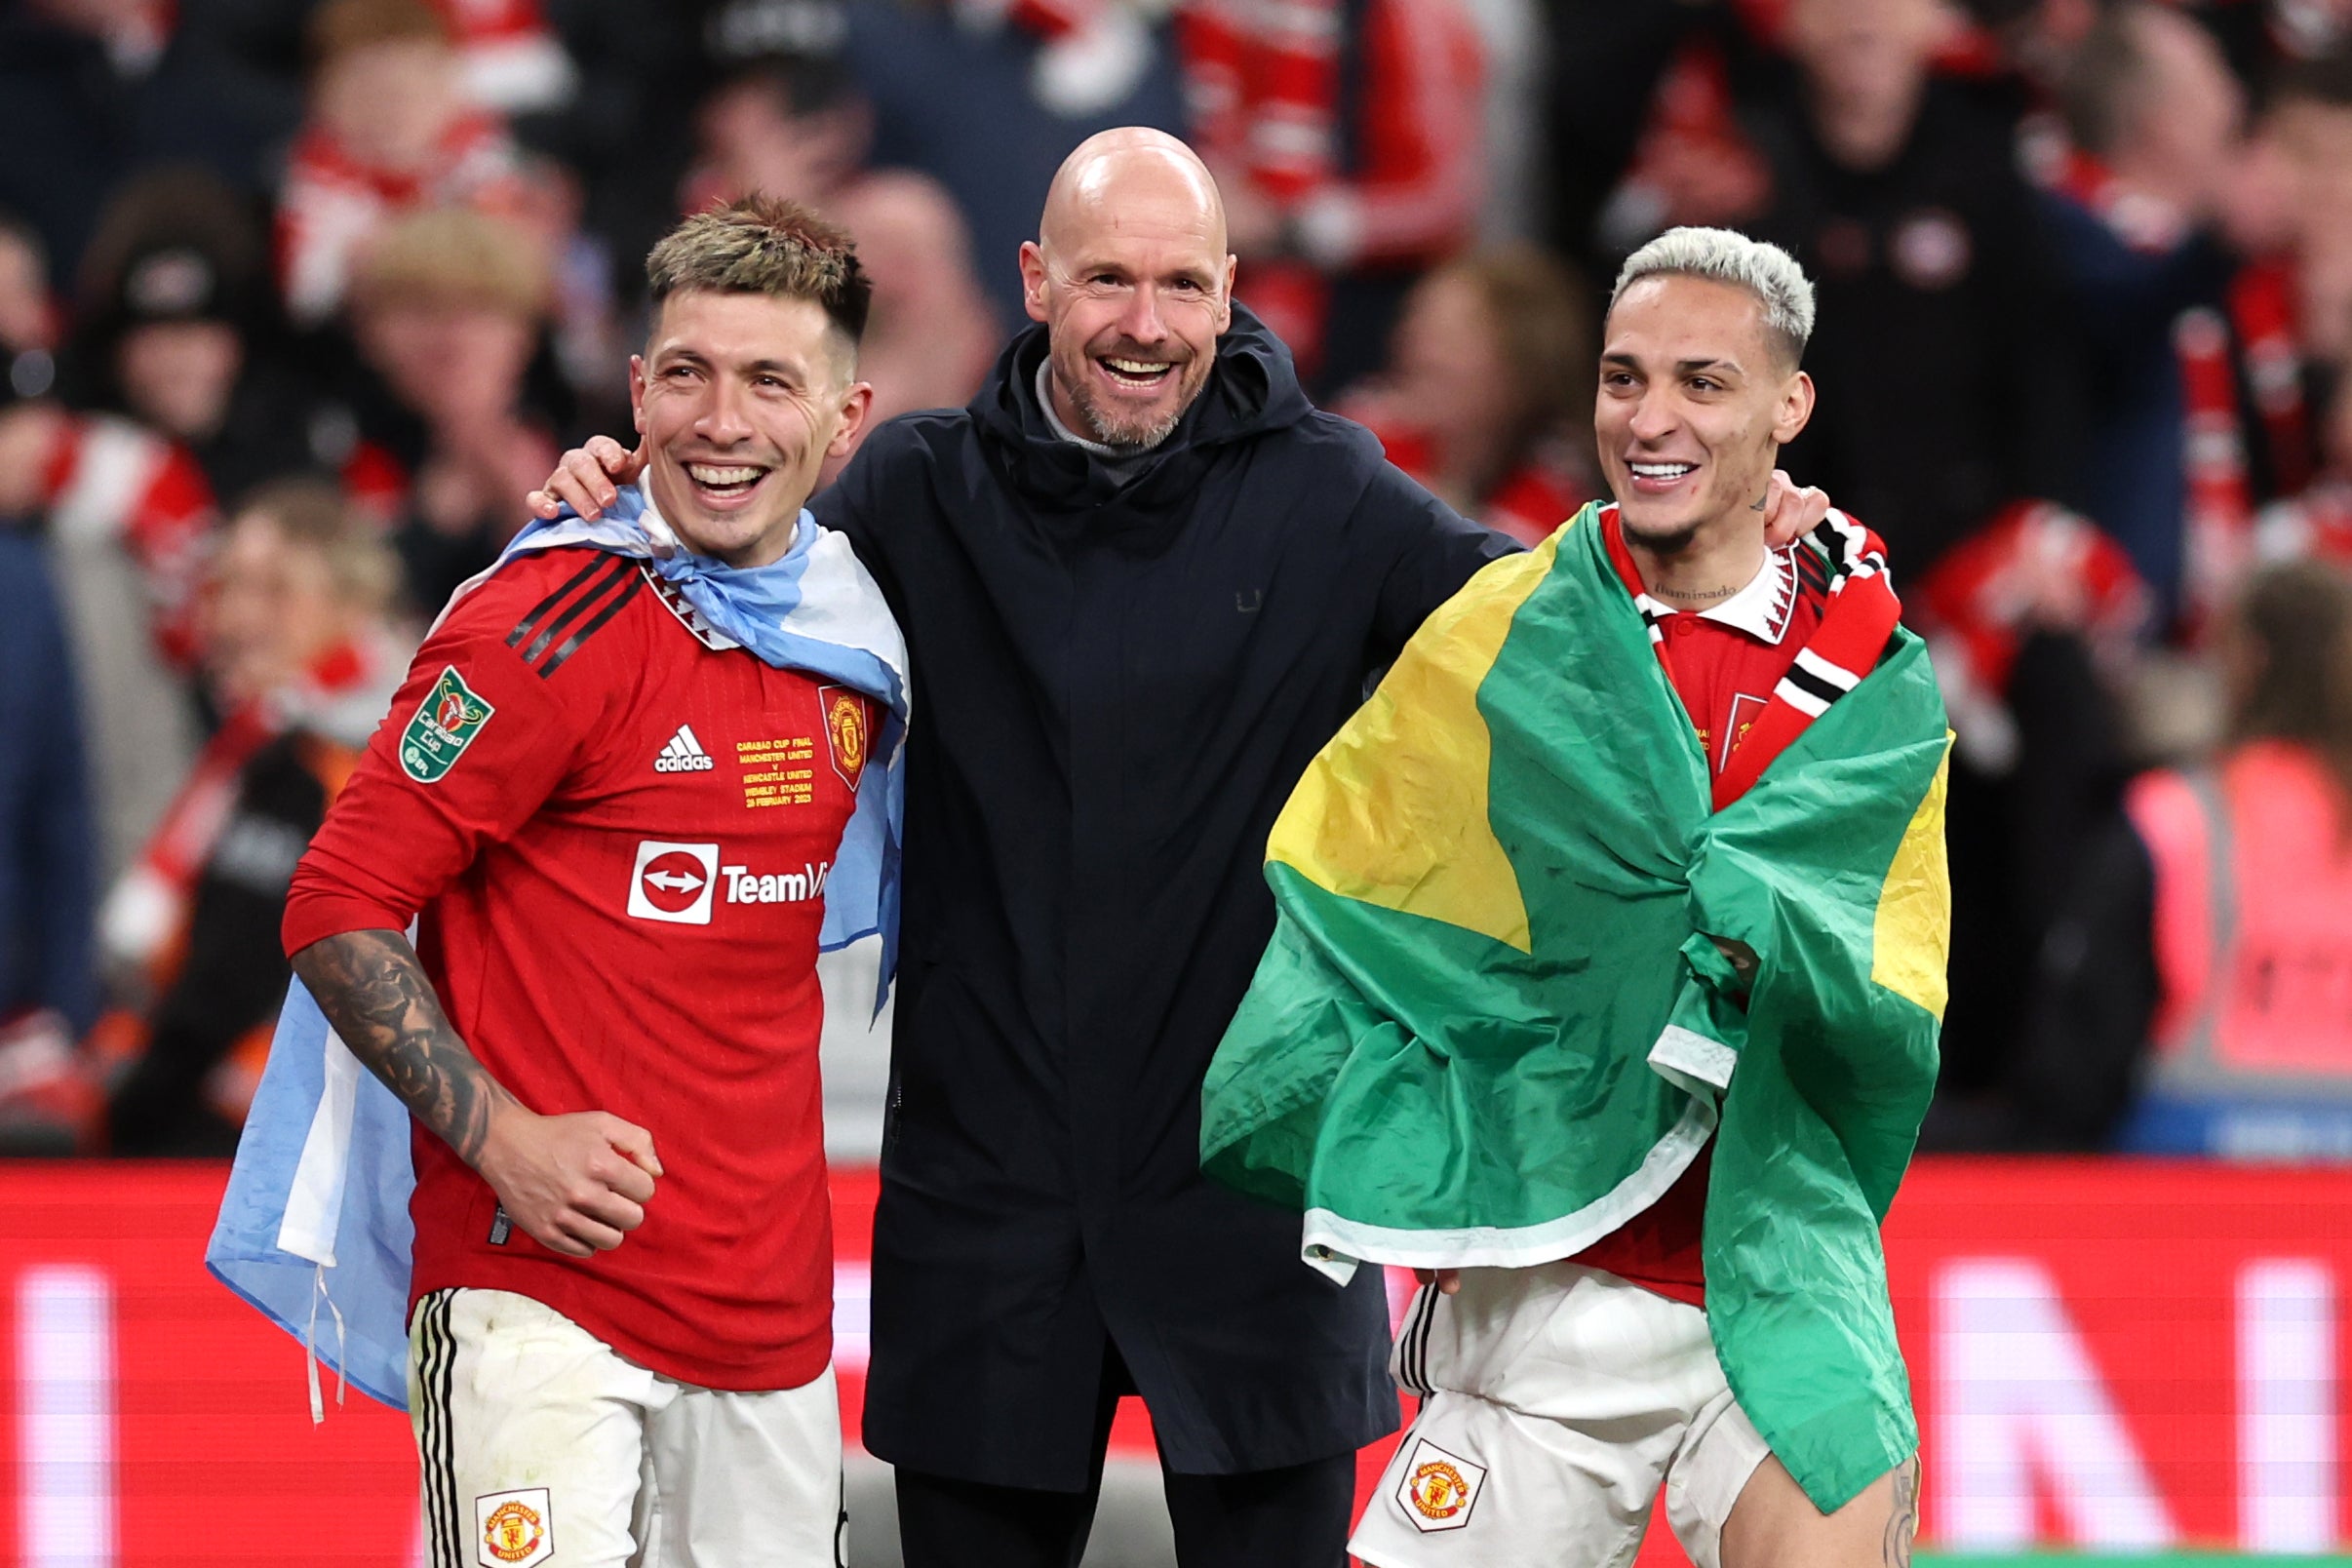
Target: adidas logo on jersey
<point>684,754</point>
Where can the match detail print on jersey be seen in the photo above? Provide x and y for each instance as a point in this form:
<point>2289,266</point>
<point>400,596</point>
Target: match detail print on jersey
<point>781,771</point>
<point>1438,1490</point>
<point>445,724</point>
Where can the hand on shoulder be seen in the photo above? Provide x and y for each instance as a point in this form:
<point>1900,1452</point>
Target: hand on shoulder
<point>587,478</point>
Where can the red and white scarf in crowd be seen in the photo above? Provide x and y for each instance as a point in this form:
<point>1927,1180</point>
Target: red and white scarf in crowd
<point>331,202</point>
<point>2035,559</point>
<point>341,697</point>
<point>1262,82</point>
<point>512,61</point>
<point>1262,78</point>
<point>1856,625</point>
<point>2034,564</point>
<point>109,480</point>
<point>2315,526</point>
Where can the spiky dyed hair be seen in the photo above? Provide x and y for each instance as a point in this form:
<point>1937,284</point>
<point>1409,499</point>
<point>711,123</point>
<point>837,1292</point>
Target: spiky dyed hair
<point>1725,256</point>
<point>765,244</point>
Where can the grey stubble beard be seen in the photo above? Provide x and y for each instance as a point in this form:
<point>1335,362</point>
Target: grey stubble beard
<point>1101,428</point>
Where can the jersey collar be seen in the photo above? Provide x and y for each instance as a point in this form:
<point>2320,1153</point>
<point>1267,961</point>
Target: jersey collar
<point>1761,609</point>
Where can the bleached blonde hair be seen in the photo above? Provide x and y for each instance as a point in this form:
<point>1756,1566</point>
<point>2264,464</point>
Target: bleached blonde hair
<point>1725,256</point>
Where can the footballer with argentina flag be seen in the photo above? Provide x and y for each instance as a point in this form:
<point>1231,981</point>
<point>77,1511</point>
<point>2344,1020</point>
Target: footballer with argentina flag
<point>639,771</point>
<point>1606,985</point>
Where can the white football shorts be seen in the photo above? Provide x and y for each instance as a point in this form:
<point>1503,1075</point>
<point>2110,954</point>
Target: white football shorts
<point>539,1444</point>
<point>1555,1401</point>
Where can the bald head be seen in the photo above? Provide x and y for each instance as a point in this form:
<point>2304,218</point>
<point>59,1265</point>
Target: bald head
<point>1113,175</point>
<point>1130,276</point>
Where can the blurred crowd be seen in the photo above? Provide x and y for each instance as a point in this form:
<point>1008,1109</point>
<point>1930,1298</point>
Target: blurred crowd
<point>298,297</point>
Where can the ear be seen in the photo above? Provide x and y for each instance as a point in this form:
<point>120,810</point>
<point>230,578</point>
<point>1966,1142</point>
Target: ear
<point>857,405</point>
<point>1795,410</point>
<point>1225,298</point>
<point>636,392</point>
<point>1033,280</point>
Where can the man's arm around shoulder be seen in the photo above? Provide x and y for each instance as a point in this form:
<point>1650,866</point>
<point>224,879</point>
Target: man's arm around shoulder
<point>1425,551</point>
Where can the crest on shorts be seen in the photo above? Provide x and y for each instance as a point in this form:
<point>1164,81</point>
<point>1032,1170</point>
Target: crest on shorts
<point>845,730</point>
<point>1439,1489</point>
<point>446,724</point>
<point>514,1528</point>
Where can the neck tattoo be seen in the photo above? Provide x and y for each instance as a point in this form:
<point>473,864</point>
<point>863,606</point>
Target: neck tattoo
<point>1694,594</point>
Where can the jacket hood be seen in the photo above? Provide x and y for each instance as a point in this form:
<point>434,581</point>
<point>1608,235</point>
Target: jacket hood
<point>1252,388</point>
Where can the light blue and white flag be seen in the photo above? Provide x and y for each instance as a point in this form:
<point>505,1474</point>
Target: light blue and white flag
<point>317,1208</point>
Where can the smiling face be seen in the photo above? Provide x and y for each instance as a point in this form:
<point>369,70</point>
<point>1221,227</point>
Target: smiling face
<point>741,397</point>
<point>271,610</point>
<point>1695,405</point>
<point>1130,275</point>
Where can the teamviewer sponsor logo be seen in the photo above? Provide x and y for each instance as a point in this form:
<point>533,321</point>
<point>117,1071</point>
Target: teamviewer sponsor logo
<point>684,754</point>
<point>747,886</point>
<point>673,882</point>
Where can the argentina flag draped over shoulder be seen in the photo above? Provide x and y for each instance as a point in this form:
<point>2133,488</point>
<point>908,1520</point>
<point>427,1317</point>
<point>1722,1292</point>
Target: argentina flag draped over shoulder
<point>316,1215</point>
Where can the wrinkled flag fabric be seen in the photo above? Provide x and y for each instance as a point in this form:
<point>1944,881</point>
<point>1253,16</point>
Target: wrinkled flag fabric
<point>1492,1026</point>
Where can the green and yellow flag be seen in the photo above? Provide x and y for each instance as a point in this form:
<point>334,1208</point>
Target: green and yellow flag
<point>1493,1024</point>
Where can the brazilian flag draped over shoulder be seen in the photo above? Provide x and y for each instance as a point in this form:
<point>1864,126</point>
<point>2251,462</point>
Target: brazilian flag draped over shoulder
<point>1492,1024</point>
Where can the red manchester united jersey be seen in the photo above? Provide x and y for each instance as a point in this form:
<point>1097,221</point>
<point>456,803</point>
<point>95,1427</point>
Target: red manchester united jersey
<point>1724,662</point>
<point>615,829</point>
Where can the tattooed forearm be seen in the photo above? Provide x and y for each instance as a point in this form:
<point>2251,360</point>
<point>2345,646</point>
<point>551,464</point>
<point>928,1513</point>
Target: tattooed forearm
<point>1905,1522</point>
<point>371,986</point>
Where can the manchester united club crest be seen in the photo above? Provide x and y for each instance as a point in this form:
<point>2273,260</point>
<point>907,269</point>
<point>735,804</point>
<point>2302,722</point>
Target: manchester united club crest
<point>847,731</point>
<point>515,1529</point>
<point>1745,711</point>
<point>1439,1489</point>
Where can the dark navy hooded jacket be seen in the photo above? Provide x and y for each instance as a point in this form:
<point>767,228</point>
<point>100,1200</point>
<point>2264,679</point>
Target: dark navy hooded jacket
<point>1115,687</point>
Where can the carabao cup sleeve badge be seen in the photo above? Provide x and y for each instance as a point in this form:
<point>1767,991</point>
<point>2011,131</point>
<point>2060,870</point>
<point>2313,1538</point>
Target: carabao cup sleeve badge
<point>446,724</point>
